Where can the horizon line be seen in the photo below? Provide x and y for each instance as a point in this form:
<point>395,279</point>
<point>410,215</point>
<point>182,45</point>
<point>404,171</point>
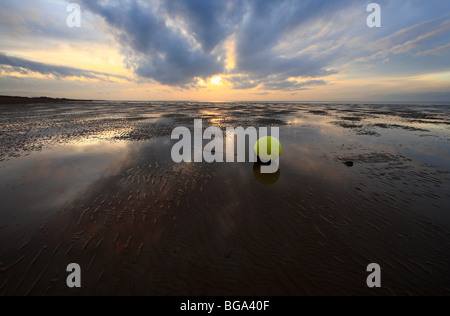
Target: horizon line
<point>229,101</point>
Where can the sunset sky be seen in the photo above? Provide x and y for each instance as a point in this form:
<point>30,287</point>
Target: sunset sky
<point>226,50</point>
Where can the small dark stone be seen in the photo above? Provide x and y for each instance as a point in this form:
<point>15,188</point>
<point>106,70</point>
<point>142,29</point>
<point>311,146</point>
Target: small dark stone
<point>349,164</point>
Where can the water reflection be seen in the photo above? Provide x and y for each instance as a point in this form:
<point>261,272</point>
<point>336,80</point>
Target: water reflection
<point>265,178</point>
<point>140,224</point>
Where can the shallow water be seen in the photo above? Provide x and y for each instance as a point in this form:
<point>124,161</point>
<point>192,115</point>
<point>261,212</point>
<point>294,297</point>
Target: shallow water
<point>94,184</point>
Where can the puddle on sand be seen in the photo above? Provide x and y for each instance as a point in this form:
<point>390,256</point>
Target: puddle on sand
<point>138,223</point>
<point>37,186</point>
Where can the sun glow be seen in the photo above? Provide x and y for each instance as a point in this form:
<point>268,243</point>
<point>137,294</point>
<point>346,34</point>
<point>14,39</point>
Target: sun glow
<point>217,81</point>
<point>231,54</point>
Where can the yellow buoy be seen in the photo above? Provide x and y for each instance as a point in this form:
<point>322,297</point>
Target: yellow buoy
<point>263,148</point>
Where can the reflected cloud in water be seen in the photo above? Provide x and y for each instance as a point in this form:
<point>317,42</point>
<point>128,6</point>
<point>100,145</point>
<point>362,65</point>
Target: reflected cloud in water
<point>145,225</point>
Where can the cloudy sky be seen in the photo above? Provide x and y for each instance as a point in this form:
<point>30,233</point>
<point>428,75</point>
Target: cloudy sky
<point>226,50</point>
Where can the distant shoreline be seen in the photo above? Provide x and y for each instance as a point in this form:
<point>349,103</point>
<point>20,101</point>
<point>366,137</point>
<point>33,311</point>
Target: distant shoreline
<point>10,100</point>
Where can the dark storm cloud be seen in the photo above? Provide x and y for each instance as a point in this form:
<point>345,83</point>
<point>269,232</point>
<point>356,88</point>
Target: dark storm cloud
<point>209,21</point>
<point>156,47</point>
<point>270,21</point>
<point>176,41</point>
<point>25,66</point>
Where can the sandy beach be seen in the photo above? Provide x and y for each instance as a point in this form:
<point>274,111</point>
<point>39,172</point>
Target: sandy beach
<point>94,183</point>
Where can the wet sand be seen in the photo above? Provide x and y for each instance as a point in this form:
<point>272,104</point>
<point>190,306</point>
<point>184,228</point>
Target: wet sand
<point>93,183</point>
